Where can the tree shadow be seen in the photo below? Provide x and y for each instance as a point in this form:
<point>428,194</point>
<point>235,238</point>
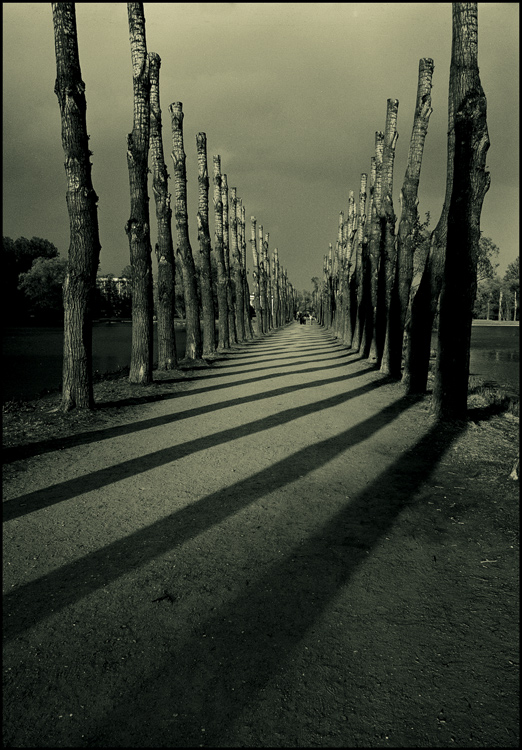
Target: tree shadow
<point>18,452</point>
<point>232,655</point>
<point>32,602</point>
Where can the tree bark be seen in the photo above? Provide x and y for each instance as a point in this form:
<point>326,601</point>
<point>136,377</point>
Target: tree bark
<point>255,258</point>
<point>406,235</point>
<point>167,355</point>
<point>222,281</point>
<point>207,300</point>
<point>425,300</point>
<point>84,248</point>
<point>226,252</point>
<point>246,291</point>
<point>262,280</point>
<point>360,263</point>
<point>194,345</point>
<point>235,262</point>
<point>373,352</point>
<point>470,184</point>
<point>391,350</point>
<point>138,225</point>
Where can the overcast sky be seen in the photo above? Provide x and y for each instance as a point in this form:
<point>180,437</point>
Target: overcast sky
<point>289,94</point>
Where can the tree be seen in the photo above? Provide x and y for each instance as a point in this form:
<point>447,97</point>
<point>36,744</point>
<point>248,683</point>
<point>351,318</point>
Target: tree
<point>165,289</point>
<point>372,351</point>
<point>222,281</point>
<point>235,263</point>
<point>207,300</point>
<point>511,282</point>
<point>82,204</point>
<point>487,252</point>
<point>255,259</point>
<point>232,332</point>
<point>17,257</point>
<point>194,343</point>
<point>389,342</point>
<point>470,184</point>
<point>138,225</point>
<point>42,286</point>
<point>409,225</point>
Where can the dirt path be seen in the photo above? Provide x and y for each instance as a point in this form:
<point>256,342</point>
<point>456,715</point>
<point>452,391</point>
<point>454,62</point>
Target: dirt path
<point>286,552</point>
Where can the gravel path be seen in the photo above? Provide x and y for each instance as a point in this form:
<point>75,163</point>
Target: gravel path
<point>285,552</point>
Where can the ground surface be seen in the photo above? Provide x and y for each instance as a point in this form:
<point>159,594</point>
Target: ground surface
<point>278,549</point>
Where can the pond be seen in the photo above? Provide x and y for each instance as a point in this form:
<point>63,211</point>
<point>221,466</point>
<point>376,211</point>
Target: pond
<point>32,357</point>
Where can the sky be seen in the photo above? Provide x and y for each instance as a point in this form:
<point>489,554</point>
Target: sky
<point>290,96</point>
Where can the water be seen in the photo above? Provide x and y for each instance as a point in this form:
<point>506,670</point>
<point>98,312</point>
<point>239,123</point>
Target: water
<point>32,357</point>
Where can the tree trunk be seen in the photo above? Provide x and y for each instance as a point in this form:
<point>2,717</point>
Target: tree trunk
<point>222,282</point>
<point>194,346</point>
<point>374,351</point>
<point>207,299</point>
<point>246,291</point>
<point>84,247</point>
<point>470,184</point>
<point>262,280</point>
<point>270,301</point>
<point>255,258</point>
<point>392,349</point>
<point>235,261</point>
<point>226,252</point>
<point>167,356</point>
<point>360,262</point>
<point>407,232</point>
<point>138,225</point>
<point>425,300</point>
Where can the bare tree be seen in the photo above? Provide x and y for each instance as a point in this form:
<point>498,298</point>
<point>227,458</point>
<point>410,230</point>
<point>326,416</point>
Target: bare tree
<point>190,292</point>
<point>222,281</point>
<point>372,351</point>
<point>409,221</point>
<point>390,364</point>
<point>167,356</point>
<point>470,184</point>
<point>138,225</point>
<point>226,253</point>
<point>82,201</point>
<point>255,258</point>
<point>207,299</point>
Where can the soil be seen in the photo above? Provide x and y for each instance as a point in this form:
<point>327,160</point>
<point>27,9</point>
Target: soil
<point>276,548</point>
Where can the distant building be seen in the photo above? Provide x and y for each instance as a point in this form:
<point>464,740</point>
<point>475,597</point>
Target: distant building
<point>122,285</point>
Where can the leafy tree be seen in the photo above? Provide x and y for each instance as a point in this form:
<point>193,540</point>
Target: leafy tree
<point>487,252</point>
<point>42,286</point>
<point>17,257</point>
<point>511,283</point>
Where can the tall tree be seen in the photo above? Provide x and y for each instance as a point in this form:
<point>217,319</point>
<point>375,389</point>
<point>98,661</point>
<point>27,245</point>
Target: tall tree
<point>207,299</point>
<point>84,249</point>
<point>409,221</point>
<point>470,183</point>
<point>255,258</point>
<point>246,291</point>
<point>372,351</point>
<point>391,354</point>
<point>165,307</point>
<point>138,225</point>
<point>235,262</point>
<point>222,281</point>
<point>226,252</point>
<point>194,345</point>
<point>360,266</point>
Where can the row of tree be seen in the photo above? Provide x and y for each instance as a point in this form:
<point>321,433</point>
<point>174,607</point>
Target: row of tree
<point>369,296</point>
<point>273,294</point>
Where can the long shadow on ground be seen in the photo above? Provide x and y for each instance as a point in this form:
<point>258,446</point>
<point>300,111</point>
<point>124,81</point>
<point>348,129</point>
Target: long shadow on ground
<point>16,453</point>
<point>209,681</point>
<point>34,601</point>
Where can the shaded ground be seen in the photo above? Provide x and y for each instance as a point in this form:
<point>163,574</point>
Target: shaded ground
<point>277,549</point>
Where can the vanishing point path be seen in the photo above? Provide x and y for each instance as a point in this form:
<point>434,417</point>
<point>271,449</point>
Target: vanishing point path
<point>285,552</point>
